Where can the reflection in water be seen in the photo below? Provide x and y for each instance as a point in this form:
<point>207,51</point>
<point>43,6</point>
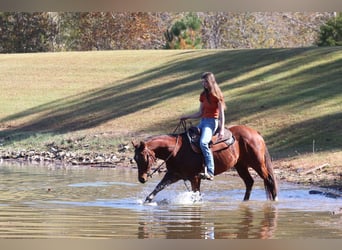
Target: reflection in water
<point>183,223</point>
<point>56,202</point>
<point>260,228</point>
<point>197,223</point>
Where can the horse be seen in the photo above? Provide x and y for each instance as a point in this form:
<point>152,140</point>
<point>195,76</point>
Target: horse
<point>183,163</point>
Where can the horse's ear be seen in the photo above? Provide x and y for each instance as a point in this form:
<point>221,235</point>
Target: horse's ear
<point>135,145</point>
<point>140,145</point>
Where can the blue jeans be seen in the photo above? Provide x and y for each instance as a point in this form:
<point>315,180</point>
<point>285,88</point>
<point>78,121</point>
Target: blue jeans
<point>208,127</point>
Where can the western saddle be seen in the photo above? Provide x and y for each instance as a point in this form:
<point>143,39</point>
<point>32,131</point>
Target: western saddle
<point>194,135</point>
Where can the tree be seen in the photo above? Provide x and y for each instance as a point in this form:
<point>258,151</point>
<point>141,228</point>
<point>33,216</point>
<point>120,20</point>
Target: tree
<point>75,31</point>
<point>184,33</point>
<point>108,30</point>
<point>26,32</point>
<point>331,33</point>
<point>222,30</point>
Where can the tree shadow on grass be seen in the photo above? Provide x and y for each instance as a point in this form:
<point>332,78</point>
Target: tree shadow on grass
<point>310,136</point>
<point>320,134</point>
<point>90,109</point>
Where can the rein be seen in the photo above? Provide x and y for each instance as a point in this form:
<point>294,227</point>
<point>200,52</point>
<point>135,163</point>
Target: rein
<point>181,123</point>
<point>161,164</point>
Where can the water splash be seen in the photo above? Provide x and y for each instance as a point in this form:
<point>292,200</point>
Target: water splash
<point>179,198</point>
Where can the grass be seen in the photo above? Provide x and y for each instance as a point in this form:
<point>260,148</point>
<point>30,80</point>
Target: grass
<point>292,96</point>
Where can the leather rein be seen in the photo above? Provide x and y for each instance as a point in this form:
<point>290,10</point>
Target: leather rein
<point>181,123</point>
<point>164,162</point>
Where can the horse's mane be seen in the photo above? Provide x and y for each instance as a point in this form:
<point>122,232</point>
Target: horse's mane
<point>160,137</point>
<point>161,140</point>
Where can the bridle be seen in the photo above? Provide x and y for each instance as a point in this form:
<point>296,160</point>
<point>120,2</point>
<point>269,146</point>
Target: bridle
<point>151,155</point>
<point>155,159</point>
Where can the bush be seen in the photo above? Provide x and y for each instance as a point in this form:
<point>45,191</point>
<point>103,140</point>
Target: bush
<point>184,34</point>
<point>331,33</point>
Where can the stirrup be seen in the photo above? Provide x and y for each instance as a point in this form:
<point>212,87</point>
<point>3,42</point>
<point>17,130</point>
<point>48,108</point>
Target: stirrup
<point>206,176</point>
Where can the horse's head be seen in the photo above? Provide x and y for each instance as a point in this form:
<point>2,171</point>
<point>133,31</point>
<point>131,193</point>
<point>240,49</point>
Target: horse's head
<point>144,158</point>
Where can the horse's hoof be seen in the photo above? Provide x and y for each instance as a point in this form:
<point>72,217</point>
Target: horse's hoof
<point>148,200</point>
<point>196,197</point>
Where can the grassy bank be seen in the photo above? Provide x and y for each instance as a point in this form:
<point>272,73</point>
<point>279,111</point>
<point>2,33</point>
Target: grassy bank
<point>292,96</point>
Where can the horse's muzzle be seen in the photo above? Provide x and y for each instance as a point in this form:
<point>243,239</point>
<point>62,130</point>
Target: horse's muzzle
<point>142,180</point>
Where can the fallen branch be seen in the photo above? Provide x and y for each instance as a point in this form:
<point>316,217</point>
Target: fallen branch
<point>316,168</point>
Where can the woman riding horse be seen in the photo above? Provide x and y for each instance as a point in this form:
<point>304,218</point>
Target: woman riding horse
<point>248,151</point>
<point>211,112</point>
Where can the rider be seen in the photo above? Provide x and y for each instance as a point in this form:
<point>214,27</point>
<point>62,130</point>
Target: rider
<point>211,112</point>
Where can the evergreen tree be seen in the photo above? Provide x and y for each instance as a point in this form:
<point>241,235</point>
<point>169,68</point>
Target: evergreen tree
<point>184,33</point>
<point>331,33</point>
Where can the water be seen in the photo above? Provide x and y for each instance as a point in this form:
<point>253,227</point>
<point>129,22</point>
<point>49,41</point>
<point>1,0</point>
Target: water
<point>82,202</point>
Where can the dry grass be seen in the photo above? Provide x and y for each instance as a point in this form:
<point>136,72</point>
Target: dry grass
<point>318,169</point>
<point>292,96</point>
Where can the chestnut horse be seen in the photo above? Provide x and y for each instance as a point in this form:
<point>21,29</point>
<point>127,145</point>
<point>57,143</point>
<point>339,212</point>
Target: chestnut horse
<point>182,163</point>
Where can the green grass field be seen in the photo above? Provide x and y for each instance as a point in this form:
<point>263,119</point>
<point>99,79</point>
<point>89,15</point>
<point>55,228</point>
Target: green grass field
<point>292,96</point>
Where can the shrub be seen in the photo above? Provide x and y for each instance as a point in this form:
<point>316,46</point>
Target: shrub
<point>331,33</point>
<point>184,34</point>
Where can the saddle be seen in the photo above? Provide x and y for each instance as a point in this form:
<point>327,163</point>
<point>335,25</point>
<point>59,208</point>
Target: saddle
<point>194,135</point>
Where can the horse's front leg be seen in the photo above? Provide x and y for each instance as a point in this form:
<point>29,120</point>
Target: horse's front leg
<point>167,180</point>
<point>195,183</point>
<point>195,186</point>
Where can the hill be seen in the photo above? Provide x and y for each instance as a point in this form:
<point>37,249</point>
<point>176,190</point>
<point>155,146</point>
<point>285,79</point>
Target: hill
<point>102,99</point>
<point>292,96</point>
<point>94,101</point>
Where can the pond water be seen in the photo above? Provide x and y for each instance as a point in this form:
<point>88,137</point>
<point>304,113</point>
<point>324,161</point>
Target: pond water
<point>83,202</point>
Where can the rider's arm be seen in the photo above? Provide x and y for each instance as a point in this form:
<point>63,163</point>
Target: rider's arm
<point>198,114</point>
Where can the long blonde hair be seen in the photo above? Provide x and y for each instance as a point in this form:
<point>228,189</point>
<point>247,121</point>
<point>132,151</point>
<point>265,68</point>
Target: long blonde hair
<point>213,87</point>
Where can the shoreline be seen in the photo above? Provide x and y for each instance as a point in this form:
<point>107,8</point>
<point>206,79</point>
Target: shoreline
<point>323,179</point>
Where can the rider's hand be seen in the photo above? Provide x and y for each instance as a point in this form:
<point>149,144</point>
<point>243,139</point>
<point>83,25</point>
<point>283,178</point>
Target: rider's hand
<point>221,134</point>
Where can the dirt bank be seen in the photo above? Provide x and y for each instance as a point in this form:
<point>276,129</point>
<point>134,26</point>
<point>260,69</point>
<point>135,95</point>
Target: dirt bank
<point>318,171</point>
<point>321,170</point>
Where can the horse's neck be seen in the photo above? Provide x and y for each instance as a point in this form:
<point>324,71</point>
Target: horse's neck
<point>162,146</point>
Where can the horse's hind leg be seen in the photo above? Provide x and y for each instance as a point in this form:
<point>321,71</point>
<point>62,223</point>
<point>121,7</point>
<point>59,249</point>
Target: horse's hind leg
<point>247,178</point>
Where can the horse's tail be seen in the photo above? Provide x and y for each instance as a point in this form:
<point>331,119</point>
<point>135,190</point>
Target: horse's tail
<point>270,183</point>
